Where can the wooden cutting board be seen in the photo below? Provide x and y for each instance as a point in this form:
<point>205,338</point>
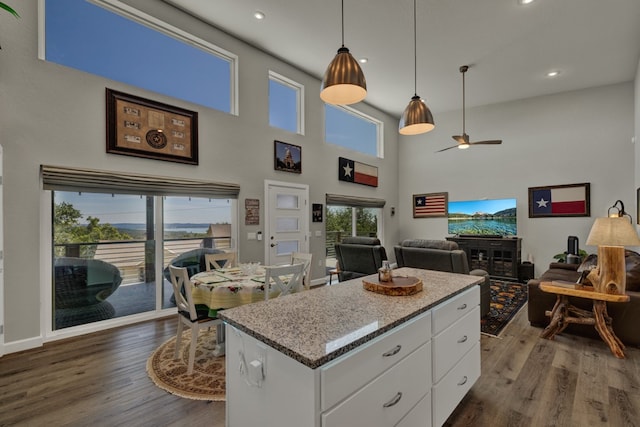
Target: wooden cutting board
<point>399,286</point>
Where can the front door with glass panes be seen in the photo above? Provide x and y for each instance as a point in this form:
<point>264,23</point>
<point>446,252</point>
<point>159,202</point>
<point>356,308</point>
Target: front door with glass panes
<point>287,222</point>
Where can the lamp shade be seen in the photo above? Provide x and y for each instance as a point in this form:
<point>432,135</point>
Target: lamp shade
<point>613,232</point>
<point>343,81</point>
<point>416,118</point>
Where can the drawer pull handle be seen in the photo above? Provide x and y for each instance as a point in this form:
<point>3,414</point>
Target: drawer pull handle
<point>462,307</point>
<point>392,352</point>
<point>464,381</point>
<point>463,339</point>
<point>393,401</point>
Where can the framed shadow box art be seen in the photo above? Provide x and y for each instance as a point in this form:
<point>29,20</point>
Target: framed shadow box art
<point>144,128</point>
<point>287,157</point>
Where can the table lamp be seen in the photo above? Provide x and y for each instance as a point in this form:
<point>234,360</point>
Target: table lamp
<point>611,235</point>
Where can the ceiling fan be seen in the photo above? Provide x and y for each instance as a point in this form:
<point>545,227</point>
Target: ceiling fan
<point>463,140</point>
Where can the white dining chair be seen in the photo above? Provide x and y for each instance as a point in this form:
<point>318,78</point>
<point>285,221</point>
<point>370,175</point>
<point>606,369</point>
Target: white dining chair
<point>284,279</point>
<point>214,261</point>
<point>303,258</point>
<point>187,314</point>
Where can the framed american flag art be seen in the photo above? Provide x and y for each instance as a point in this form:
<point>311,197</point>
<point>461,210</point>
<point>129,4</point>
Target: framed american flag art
<point>430,205</point>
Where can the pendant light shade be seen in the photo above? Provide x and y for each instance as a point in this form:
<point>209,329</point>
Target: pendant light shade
<point>417,117</point>
<point>344,81</point>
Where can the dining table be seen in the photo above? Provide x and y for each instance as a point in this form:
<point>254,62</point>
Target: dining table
<point>227,288</point>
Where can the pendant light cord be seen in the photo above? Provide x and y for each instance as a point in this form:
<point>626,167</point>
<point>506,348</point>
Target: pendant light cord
<point>342,23</point>
<point>415,53</point>
<point>463,106</point>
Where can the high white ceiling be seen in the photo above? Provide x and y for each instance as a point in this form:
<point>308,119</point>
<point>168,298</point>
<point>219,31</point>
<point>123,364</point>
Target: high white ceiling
<point>509,47</point>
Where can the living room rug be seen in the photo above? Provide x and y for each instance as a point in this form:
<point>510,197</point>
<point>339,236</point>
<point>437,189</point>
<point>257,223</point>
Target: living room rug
<point>507,298</point>
<point>208,379</point>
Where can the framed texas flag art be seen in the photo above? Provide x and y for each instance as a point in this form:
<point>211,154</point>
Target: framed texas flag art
<point>559,200</point>
<point>356,172</point>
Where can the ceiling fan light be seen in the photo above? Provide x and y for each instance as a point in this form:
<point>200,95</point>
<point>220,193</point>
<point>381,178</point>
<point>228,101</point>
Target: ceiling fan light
<point>463,146</point>
<point>416,118</point>
<point>343,81</point>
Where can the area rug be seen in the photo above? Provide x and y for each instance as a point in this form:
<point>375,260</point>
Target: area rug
<point>507,298</point>
<point>208,379</point>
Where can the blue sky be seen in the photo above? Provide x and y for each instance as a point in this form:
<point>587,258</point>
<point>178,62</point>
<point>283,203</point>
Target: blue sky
<point>89,38</point>
<point>487,206</point>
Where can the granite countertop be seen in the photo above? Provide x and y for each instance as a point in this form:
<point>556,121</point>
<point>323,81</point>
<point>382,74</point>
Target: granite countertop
<point>317,326</point>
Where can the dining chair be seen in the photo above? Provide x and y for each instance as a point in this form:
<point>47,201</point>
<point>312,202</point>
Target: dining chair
<point>212,261</point>
<point>286,279</point>
<point>304,258</point>
<point>187,313</point>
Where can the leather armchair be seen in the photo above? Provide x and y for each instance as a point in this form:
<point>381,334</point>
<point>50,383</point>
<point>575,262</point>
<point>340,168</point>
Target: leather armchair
<point>359,256</point>
<point>442,255</point>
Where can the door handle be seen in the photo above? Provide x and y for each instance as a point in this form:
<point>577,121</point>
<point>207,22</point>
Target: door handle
<point>273,245</point>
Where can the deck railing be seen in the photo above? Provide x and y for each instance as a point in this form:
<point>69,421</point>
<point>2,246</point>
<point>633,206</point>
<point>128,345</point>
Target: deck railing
<point>129,256</point>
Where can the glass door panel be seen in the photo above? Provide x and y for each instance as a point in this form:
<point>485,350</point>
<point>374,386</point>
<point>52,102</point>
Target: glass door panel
<point>102,254</point>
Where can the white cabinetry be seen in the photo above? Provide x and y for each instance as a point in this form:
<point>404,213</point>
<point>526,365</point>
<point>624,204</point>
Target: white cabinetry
<point>456,352</point>
<point>412,375</point>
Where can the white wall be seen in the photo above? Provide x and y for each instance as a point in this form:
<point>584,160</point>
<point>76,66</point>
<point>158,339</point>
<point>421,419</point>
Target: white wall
<point>573,137</point>
<point>50,114</point>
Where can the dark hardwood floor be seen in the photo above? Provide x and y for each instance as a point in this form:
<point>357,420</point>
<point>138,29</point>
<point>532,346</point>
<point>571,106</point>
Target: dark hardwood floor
<point>100,380</point>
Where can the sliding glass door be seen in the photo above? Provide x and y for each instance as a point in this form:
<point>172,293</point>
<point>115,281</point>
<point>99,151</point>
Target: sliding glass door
<point>105,256</point>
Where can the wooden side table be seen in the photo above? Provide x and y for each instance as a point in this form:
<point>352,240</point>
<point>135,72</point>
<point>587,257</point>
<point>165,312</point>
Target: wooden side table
<point>563,313</point>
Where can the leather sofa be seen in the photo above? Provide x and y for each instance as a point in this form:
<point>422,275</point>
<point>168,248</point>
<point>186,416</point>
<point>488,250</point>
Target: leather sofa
<point>626,316</point>
<point>358,257</point>
<point>442,255</point>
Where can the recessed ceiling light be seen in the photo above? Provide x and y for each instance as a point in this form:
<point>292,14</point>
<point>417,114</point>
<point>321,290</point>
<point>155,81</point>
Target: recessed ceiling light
<point>363,60</point>
<point>554,73</point>
<point>258,15</point>
<point>525,2</point>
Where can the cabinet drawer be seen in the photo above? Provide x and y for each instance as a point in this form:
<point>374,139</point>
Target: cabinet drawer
<point>452,343</point>
<point>451,389</point>
<point>420,415</point>
<point>447,313</point>
<point>388,398</point>
<point>349,372</point>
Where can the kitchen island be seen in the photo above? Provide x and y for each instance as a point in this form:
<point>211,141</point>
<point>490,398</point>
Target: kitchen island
<point>340,355</point>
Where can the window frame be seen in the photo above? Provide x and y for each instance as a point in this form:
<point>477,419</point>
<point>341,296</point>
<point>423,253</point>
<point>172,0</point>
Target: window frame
<point>299,89</point>
<point>155,24</point>
<point>379,125</point>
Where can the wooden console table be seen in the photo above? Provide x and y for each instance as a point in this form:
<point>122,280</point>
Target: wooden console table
<point>563,313</point>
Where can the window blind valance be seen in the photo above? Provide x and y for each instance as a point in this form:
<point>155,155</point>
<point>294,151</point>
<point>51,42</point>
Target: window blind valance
<point>97,181</point>
<point>353,201</point>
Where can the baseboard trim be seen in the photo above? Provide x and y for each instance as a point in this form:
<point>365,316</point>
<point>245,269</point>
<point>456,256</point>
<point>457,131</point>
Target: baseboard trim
<point>22,345</point>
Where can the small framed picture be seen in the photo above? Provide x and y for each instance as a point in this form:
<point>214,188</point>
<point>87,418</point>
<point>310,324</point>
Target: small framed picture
<point>287,157</point>
<point>316,211</point>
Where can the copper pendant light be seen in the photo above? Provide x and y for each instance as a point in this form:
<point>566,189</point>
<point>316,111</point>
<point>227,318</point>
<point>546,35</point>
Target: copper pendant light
<point>343,81</point>
<point>416,118</point>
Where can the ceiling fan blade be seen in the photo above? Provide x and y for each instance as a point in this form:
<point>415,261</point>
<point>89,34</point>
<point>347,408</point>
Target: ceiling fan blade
<point>448,148</point>
<point>490,142</point>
